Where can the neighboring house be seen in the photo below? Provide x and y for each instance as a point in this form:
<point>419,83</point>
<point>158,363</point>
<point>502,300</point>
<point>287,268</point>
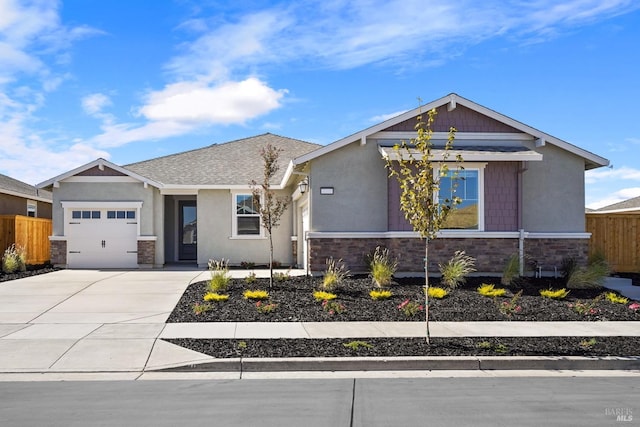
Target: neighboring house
<point>523,194</point>
<point>19,198</point>
<point>628,206</point>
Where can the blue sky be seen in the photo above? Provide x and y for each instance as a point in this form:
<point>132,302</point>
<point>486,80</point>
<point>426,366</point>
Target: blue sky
<point>119,79</point>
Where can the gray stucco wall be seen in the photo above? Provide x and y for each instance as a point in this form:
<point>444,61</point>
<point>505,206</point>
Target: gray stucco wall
<point>553,192</point>
<point>215,233</point>
<point>359,178</point>
<point>105,192</point>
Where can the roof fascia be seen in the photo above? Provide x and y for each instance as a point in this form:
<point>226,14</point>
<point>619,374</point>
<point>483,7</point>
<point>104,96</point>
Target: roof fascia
<point>25,196</point>
<point>100,163</point>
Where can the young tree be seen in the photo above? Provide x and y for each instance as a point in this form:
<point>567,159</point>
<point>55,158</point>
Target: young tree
<point>414,167</point>
<point>270,206</point>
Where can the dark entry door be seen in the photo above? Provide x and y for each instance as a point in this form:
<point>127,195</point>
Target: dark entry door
<point>187,230</point>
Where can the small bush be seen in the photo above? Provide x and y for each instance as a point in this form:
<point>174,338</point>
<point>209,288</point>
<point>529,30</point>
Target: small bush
<point>324,296</point>
<point>255,294</point>
<point>266,308</point>
<point>357,345</point>
<point>554,293</point>
<point>14,259</point>
<point>215,297</point>
<point>279,276</point>
<point>455,271</point>
<point>410,308</point>
<point>380,294</point>
<point>511,307</point>
<point>199,308</point>
<point>489,290</point>
<point>251,278</point>
<point>333,307</point>
<point>437,293</point>
<point>247,265</point>
<point>382,267</point>
<point>220,277</point>
<point>586,344</point>
<point>591,276</point>
<point>586,308</point>
<point>614,298</point>
<point>511,270</point>
<point>334,275</point>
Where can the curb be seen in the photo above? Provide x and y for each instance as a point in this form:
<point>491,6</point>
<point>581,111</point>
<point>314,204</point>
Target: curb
<point>426,363</point>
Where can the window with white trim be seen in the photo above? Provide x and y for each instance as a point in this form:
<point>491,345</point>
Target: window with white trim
<point>32,208</point>
<point>246,216</point>
<point>469,187</point>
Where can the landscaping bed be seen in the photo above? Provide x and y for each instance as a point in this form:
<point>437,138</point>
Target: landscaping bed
<point>32,270</point>
<point>293,301</point>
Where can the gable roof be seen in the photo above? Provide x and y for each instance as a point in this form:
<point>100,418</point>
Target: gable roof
<point>14,187</point>
<point>591,160</point>
<point>233,163</point>
<point>632,204</point>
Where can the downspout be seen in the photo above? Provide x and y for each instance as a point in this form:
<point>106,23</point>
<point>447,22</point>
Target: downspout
<point>521,252</point>
<point>523,168</point>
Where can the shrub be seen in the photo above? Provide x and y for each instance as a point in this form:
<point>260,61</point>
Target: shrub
<point>382,267</point>
<point>199,308</point>
<point>511,270</point>
<point>554,293</point>
<point>255,294</point>
<point>586,308</point>
<point>334,275</point>
<point>614,298</point>
<point>509,308</point>
<point>455,271</point>
<point>215,297</point>
<point>586,344</point>
<point>247,265</point>
<point>357,345</point>
<point>324,296</point>
<point>220,277</point>
<point>410,308</point>
<point>380,294</point>
<point>282,277</point>
<point>489,290</point>
<point>14,259</point>
<point>333,307</point>
<point>437,293</point>
<point>266,308</point>
<point>591,276</point>
<point>251,278</point>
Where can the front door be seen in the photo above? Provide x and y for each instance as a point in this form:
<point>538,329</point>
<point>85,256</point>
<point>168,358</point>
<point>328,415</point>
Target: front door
<point>187,230</point>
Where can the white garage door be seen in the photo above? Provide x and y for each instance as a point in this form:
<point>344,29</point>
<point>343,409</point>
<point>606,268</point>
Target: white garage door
<point>102,238</point>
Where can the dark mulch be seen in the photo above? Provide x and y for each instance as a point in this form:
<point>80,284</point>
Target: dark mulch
<point>295,303</point>
<point>32,270</point>
<point>388,347</point>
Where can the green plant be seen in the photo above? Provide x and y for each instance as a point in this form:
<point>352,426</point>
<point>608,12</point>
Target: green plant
<point>357,345</point>
<point>266,308</point>
<point>199,308</point>
<point>591,276</point>
<point>333,307</point>
<point>554,293</point>
<point>247,265</point>
<point>14,259</point>
<point>485,345</point>
<point>255,294</point>
<point>587,344</point>
<point>489,290</point>
<point>586,308</point>
<point>380,294</point>
<point>501,348</point>
<point>220,277</point>
<point>614,298</point>
<point>324,296</point>
<point>382,267</point>
<point>334,275</point>
<point>455,271</point>
<point>251,278</point>
<point>511,307</point>
<point>511,270</point>
<point>215,297</point>
<point>437,293</point>
<point>410,308</point>
<point>282,276</point>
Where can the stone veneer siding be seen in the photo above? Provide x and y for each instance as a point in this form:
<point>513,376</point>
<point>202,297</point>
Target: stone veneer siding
<point>146,252</point>
<point>491,254</point>
<point>58,252</point>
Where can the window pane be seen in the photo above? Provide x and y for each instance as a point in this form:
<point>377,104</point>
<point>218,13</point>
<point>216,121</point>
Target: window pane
<point>248,225</point>
<point>95,214</point>
<point>465,216</point>
<point>120,214</point>
<point>76,214</point>
<point>244,205</point>
<point>111,214</point>
<point>131,214</point>
<point>86,214</point>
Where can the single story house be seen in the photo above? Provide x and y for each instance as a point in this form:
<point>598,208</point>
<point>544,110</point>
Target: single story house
<point>20,198</point>
<point>523,194</point>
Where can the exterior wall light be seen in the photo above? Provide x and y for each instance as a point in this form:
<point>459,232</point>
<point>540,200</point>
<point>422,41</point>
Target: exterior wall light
<point>303,185</point>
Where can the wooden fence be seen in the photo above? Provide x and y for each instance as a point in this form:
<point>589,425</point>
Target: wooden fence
<point>30,233</point>
<point>617,236</point>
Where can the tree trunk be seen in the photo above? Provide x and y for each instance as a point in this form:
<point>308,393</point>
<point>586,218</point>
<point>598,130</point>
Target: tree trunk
<point>426,287</point>
<point>270,261</point>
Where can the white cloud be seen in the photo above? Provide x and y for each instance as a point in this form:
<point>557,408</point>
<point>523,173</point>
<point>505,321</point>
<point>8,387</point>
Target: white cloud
<point>601,175</point>
<point>94,103</point>
<point>615,197</point>
<point>384,117</point>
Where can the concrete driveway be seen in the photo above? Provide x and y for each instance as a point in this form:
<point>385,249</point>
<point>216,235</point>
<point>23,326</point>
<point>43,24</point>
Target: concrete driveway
<point>91,321</point>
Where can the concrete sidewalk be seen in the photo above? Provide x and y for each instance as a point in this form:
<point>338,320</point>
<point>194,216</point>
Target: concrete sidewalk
<point>101,322</point>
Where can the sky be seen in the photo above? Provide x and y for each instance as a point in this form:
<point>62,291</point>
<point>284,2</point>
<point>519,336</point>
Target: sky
<point>132,80</point>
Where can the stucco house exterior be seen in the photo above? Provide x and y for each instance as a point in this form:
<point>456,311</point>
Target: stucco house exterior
<point>20,198</point>
<point>523,194</point>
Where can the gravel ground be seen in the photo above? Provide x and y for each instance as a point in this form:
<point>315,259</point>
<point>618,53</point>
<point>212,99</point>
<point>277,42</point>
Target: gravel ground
<point>31,271</point>
<point>295,303</point>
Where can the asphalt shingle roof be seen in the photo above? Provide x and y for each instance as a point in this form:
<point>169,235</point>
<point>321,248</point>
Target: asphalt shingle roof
<point>10,184</point>
<point>231,163</point>
<point>633,203</point>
